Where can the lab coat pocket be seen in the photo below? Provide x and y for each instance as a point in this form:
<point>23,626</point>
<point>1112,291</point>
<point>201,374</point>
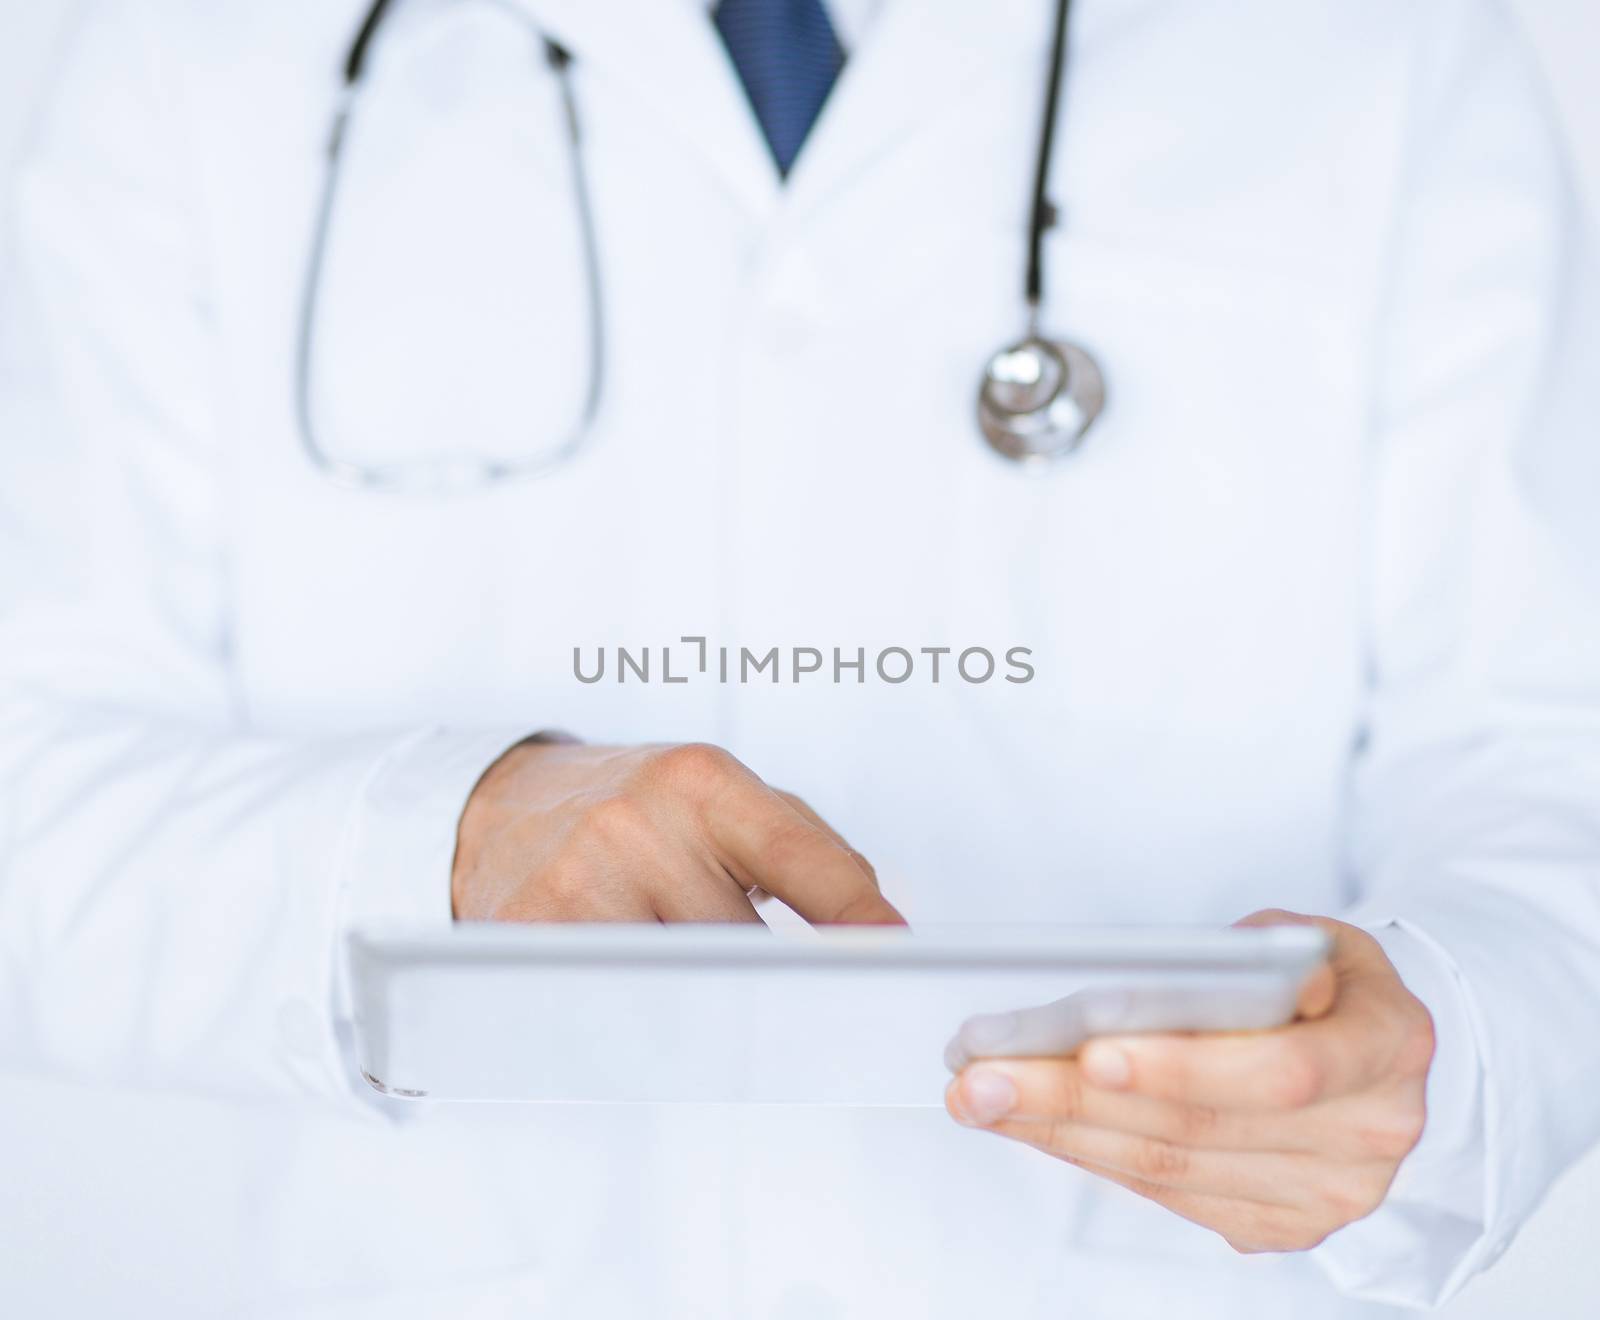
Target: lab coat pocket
<point>1209,534</point>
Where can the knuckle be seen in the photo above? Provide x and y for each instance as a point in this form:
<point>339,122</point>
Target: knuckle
<point>1353,1195</point>
<point>1198,1123</point>
<point>1393,1134</point>
<point>613,820</point>
<point>1257,1231</point>
<point>691,766</point>
<point>519,907</point>
<point>1161,1161</point>
<point>1068,1099</point>
<point>791,844</point>
<point>1058,1132</point>
<point>1417,1044</point>
<point>820,827</point>
<point>1306,1236</point>
<point>1412,1118</point>
<point>1381,1142</point>
<point>1248,1243</point>
<point>1278,1231</point>
<point>563,882</point>
<point>1374,1189</point>
<point>799,846</point>
<point>1296,1078</point>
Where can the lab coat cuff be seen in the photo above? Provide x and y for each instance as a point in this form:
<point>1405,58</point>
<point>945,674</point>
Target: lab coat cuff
<point>1425,1240</point>
<point>403,836</point>
<point>400,847</point>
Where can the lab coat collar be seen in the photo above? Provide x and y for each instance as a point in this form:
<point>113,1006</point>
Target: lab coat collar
<point>667,55</point>
<point>912,59</point>
<point>915,60</point>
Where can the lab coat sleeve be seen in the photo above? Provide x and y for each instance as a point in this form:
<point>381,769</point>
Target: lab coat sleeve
<point>173,883</point>
<point>1476,798</point>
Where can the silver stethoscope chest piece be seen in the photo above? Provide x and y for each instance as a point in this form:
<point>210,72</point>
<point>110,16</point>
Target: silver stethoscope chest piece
<point>1038,399</point>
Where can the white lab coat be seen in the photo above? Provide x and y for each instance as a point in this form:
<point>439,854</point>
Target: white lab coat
<point>1311,615</point>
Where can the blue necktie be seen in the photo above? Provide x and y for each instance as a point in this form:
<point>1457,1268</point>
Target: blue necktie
<point>788,57</point>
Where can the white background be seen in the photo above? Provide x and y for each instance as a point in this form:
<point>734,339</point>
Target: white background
<point>1554,1269</point>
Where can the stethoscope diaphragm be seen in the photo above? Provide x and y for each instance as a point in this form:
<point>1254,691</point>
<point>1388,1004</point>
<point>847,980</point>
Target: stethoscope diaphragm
<point>1038,398</point>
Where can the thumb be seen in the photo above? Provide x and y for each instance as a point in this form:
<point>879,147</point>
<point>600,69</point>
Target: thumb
<point>1319,990</point>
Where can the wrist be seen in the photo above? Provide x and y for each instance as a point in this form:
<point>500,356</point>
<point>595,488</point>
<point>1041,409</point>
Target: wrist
<point>479,814</point>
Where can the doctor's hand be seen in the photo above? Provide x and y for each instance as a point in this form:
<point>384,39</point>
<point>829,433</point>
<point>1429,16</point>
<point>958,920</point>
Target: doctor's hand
<point>1273,1139</point>
<point>568,832</point>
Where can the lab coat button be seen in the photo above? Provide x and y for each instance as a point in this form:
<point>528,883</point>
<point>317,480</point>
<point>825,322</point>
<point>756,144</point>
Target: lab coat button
<point>300,1028</point>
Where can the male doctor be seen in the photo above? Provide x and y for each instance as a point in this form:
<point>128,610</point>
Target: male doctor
<point>1309,622</point>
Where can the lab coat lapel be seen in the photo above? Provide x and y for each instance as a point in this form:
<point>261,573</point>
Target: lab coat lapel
<point>916,57</point>
<point>666,55</point>
<point>919,56</point>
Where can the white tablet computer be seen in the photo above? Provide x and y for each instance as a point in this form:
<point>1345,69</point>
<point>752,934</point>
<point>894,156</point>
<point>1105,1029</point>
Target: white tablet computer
<point>745,1015</point>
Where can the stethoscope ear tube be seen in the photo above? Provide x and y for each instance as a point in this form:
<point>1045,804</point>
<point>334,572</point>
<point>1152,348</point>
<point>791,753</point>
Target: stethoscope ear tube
<point>355,60</point>
<point>444,473</point>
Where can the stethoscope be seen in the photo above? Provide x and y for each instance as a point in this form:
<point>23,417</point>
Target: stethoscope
<point>1037,398</point>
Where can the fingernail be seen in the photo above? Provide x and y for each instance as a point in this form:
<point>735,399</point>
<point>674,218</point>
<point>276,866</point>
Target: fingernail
<point>987,1095</point>
<point>1106,1066</point>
